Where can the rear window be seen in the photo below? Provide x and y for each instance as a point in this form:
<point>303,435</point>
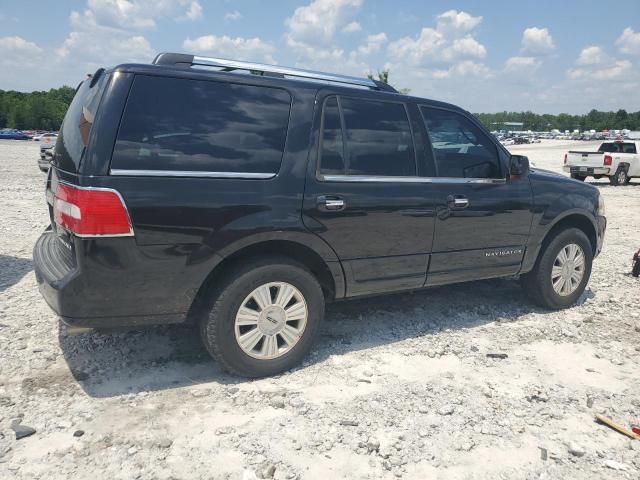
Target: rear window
<point>618,147</point>
<point>172,124</point>
<point>77,123</point>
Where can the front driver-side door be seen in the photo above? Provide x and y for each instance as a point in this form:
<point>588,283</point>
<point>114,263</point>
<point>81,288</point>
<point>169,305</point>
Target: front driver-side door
<point>483,215</point>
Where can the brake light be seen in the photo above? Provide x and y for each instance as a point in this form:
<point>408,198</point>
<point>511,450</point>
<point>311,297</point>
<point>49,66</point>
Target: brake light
<point>565,158</point>
<point>91,212</point>
<point>608,160</point>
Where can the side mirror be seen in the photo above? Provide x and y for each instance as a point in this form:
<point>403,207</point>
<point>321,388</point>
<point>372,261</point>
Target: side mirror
<point>518,165</point>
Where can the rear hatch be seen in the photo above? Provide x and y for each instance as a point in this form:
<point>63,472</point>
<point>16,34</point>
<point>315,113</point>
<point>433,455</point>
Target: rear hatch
<point>70,148</point>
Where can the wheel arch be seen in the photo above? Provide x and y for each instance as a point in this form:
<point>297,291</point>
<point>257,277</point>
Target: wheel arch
<point>572,219</point>
<point>328,272</point>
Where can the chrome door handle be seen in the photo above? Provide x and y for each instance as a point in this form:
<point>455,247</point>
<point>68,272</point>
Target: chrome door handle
<point>457,201</point>
<point>330,203</point>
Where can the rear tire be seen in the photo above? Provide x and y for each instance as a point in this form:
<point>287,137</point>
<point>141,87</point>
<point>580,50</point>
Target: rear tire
<point>541,284</point>
<point>580,178</point>
<point>245,302</point>
<point>620,177</point>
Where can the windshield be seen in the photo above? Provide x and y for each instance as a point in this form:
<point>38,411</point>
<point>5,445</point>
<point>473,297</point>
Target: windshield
<point>74,134</point>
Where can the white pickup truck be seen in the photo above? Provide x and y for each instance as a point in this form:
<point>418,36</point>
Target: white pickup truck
<point>617,159</point>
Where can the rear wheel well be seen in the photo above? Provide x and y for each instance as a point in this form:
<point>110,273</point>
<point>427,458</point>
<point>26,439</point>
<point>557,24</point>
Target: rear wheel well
<point>573,221</point>
<point>301,254</point>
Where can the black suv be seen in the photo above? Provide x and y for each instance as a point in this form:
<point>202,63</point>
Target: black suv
<point>244,196</point>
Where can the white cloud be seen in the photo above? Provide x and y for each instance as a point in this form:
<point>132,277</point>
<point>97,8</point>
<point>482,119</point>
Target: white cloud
<point>232,16</point>
<point>194,12</point>
<point>352,27</point>
<point>450,42</point>
<point>138,15</point>
<point>521,64</point>
<point>374,44</point>
<point>320,20</point>
<point>455,21</point>
<point>229,47</point>
<point>591,56</point>
<point>611,70</point>
<point>17,48</point>
<point>463,69</point>
<point>537,41</point>
<point>629,42</point>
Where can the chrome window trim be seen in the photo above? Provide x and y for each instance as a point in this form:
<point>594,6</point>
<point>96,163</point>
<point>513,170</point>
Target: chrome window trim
<point>383,179</point>
<point>189,173</point>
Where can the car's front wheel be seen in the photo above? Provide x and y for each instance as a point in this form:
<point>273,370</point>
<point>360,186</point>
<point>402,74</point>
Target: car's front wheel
<point>562,271</point>
<point>264,317</point>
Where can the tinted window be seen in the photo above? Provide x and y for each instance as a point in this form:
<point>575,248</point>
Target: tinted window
<point>192,125</point>
<point>77,123</point>
<point>461,149</point>
<point>629,148</point>
<point>332,160</point>
<point>379,140</point>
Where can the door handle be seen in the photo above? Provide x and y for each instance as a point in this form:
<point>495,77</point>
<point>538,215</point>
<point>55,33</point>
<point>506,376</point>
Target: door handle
<point>457,201</point>
<point>330,203</point>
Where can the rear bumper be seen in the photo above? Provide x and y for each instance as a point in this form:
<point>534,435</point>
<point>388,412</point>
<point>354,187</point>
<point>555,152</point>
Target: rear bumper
<point>85,295</point>
<point>587,170</point>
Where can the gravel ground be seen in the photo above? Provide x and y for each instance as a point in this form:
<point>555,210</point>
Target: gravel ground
<point>397,386</point>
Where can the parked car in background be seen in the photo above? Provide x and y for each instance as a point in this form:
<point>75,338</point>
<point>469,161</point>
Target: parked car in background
<point>243,203</point>
<point>507,141</point>
<point>616,159</point>
<point>12,134</point>
<point>47,142</point>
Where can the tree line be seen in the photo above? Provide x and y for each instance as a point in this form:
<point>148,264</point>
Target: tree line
<point>34,110</point>
<point>45,111</point>
<point>594,120</point>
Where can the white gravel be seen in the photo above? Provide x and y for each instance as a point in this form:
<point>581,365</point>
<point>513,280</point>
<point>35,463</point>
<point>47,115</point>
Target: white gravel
<point>397,386</point>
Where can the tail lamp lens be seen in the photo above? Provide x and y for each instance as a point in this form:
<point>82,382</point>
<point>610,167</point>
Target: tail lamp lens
<point>91,212</point>
<point>608,160</point>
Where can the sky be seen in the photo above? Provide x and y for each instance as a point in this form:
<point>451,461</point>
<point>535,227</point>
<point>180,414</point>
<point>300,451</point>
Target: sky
<point>486,56</point>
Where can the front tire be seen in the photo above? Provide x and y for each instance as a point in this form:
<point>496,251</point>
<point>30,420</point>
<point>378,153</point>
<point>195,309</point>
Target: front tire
<point>562,270</point>
<point>264,317</point>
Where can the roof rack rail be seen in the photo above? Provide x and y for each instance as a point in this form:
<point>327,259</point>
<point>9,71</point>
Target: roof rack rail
<point>181,59</point>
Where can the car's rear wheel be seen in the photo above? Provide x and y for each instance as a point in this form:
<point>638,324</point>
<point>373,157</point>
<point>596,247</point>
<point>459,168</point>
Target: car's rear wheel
<point>575,176</point>
<point>620,177</point>
<point>562,270</point>
<point>264,317</point>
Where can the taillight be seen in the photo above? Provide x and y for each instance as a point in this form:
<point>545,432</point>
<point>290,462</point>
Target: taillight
<point>91,212</point>
<point>565,158</point>
<point>608,160</point>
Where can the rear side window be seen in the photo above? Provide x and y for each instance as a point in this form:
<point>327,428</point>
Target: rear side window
<point>77,123</point>
<point>629,148</point>
<point>332,141</point>
<point>172,124</point>
<point>377,139</point>
<point>461,149</point>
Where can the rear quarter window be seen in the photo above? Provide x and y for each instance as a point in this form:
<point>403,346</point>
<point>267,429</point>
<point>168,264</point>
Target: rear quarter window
<point>172,124</point>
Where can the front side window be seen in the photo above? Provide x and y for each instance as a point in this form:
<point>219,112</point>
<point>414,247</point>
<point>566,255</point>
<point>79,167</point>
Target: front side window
<point>193,125</point>
<point>461,149</point>
<point>377,139</point>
